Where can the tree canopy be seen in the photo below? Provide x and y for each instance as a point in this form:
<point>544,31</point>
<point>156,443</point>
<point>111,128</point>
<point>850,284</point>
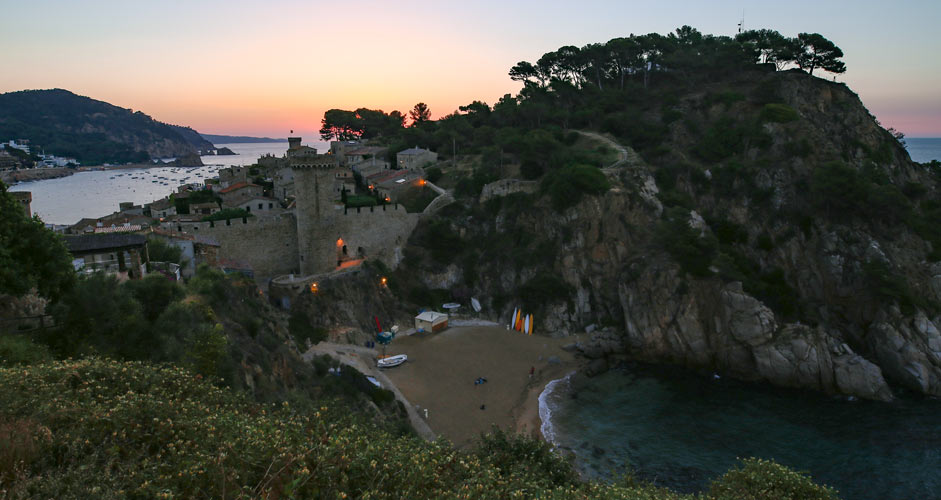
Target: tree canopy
<point>601,65</point>
<point>420,113</point>
<point>814,51</point>
<point>363,123</point>
<point>31,256</point>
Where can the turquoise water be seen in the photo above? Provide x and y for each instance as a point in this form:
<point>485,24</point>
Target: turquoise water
<point>681,430</point>
<point>923,149</point>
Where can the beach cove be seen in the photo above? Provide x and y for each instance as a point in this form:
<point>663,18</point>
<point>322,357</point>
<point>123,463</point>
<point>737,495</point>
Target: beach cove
<point>442,369</point>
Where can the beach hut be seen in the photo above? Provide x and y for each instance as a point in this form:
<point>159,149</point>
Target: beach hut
<point>431,321</point>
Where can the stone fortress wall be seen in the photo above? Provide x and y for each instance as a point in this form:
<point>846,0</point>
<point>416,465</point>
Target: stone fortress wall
<point>318,234</point>
<point>377,232</point>
<point>268,244</point>
<point>506,187</point>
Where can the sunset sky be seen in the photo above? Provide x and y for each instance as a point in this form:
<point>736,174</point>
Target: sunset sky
<point>263,68</point>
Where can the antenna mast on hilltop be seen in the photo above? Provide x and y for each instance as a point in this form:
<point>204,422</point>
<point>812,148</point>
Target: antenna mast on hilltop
<point>741,24</point>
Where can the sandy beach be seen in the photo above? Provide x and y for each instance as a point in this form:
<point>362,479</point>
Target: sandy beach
<point>442,367</point>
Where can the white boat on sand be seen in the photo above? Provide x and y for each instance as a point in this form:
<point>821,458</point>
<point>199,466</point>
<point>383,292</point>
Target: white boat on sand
<point>391,361</point>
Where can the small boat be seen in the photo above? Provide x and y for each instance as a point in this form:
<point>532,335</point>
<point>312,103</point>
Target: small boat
<point>391,361</point>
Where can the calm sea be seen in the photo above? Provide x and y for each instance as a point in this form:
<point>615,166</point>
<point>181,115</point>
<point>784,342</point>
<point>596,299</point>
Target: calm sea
<point>924,150</point>
<point>682,430</point>
<point>95,194</point>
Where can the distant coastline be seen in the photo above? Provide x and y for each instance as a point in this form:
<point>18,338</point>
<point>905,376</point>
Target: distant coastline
<point>14,177</point>
<point>238,139</point>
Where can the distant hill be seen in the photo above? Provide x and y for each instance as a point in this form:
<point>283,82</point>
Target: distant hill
<point>194,138</point>
<point>238,139</point>
<point>94,132</point>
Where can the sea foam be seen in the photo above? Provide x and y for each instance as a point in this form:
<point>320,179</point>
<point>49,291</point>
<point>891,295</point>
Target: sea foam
<point>546,407</point>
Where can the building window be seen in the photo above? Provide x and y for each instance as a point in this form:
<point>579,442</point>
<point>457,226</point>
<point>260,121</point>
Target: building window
<point>261,206</point>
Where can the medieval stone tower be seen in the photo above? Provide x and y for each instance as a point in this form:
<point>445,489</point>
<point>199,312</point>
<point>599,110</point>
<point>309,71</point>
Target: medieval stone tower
<point>315,179</point>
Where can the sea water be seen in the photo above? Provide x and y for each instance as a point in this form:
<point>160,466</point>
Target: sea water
<point>97,193</point>
<point>923,149</point>
<point>681,430</point>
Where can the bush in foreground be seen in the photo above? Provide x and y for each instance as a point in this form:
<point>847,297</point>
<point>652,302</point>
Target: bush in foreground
<point>96,428</point>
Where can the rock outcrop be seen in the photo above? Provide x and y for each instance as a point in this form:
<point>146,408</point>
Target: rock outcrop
<point>845,305</point>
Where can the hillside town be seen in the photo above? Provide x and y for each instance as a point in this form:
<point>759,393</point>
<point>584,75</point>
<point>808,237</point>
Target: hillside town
<point>285,220</point>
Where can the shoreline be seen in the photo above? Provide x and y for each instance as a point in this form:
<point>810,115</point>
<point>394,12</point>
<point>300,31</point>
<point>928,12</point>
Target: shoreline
<point>528,414</point>
<point>443,372</point>
<point>14,177</point>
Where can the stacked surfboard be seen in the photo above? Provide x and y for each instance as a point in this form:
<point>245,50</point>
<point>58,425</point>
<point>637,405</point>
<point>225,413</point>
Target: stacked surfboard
<point>522,322</point>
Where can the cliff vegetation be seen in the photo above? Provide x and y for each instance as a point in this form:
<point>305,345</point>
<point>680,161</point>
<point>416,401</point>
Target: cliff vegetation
<point>93,132</point>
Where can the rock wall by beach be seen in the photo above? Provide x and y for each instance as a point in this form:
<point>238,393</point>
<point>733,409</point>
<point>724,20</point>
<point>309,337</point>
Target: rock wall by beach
<point>849,306</point>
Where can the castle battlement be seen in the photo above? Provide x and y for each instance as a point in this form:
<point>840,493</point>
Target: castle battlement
<point>394,208</point>
<point>318,236</point>
<point>326,165</point>
<point>221,225</point>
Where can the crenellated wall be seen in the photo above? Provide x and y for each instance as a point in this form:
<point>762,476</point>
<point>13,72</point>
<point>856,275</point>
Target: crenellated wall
<point>312,239</point>
<point>376,232</point>
<point>268,244</point>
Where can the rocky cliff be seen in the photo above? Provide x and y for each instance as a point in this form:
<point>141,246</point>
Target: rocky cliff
<point>779,233</point>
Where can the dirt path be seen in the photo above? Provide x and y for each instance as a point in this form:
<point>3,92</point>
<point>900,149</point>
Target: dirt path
<point>626,155</point>
<point>363,360</point>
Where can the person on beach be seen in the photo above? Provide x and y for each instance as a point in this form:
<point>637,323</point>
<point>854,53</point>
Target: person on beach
<point>532,370</point>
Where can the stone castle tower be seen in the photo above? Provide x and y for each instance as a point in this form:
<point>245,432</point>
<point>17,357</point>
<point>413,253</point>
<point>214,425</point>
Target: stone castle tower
<point>315,180</point>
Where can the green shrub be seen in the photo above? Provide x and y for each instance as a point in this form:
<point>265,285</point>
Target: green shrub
<point>514,454</point>
<point>722,140</point>
<point>692,250</point>
<point>758,479</point>
<point>433,174</point>
<point>845,192</point>
<point>773,289</point>
<point>801,148</point>
<point>360,200</point>
<point>157,431</point>
<point>670,115</point>
<point>565,186</point>
<point>159,250</point>
<point>890,285</point>
<point>98,316</point>
<point>764,242</point>
<point>441,240</point>
<point>16,349</point>
<point>300,328</point>
<point>675,198</point>
<point>155,293</point>
<point>778,113</point>
<point>207,350</point>
<point>726,231</point>
<point>210,283</point>
<point>531,170</point>
<point>726,97</point>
